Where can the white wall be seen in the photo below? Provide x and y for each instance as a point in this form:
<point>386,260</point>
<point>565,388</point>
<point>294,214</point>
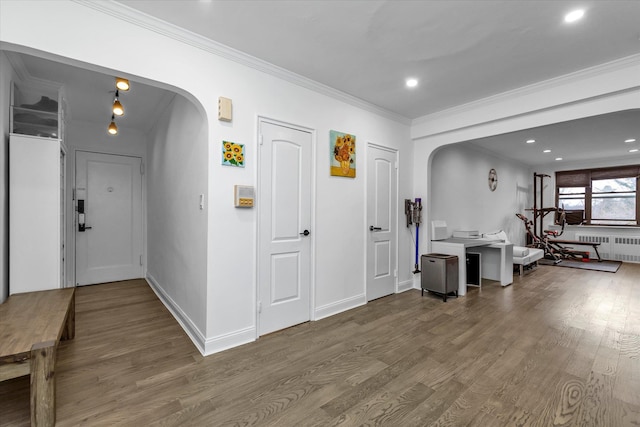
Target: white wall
<point>6,75</point>
<point>176,226</point>
<point>339,279</point>
<point>460,192</point>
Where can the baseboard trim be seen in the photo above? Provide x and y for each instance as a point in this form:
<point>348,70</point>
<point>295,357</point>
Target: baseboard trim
<point>181,317</point>
<point>339,306</point>
<point>230,340</point>
<point>405,286</point>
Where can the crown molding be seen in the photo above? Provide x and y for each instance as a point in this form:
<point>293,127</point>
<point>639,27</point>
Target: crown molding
<point>143,20</point>
<point>577,76</point>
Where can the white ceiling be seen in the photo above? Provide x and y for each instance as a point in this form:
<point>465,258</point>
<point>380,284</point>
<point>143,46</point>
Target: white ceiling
<point>460,51</point>
<point>583,140</point>
<point>89,95</point>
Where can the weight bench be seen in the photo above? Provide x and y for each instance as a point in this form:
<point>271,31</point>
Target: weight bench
<point>562,249</point>
<point>31,325</point>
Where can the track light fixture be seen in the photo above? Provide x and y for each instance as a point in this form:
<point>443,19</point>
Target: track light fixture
<point>118,109</point>
<point>122,84</point>
<point>113,129</point>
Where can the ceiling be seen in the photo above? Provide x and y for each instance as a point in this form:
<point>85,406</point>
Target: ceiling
<point>89,95</point>
<point>460,51</point>
<point>583,140</point>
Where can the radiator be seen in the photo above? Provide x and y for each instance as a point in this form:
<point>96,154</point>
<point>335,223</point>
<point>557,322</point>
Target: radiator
<point>626,248</point>
<point>619,248</point>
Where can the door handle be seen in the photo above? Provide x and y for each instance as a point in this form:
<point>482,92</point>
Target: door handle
<point>372,228</point>
<point>305,233</point>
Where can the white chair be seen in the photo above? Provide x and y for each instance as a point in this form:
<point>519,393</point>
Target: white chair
<point>524,258</point>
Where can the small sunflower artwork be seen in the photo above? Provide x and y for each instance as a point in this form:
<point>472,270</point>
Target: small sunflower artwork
<point>342,154</point>
<point>232,154</point>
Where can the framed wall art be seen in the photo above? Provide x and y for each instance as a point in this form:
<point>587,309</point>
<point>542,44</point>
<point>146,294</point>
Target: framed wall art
<point>342,151</point>
<point>232,154</point>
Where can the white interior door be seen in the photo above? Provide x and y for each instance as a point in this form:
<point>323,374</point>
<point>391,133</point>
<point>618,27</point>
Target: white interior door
<point>284,258</point>
<point>382,195</point>
<point>110,247</point>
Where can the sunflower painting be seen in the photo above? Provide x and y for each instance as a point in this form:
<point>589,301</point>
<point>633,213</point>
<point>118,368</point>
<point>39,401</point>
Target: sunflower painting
<point>342,154</point>
<point>232,154</point>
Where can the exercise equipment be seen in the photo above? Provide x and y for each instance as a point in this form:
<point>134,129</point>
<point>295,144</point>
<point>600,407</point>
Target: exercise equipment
<point>542,239</point>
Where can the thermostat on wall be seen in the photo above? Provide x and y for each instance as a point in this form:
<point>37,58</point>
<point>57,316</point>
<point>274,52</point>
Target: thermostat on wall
<point>243,196</point>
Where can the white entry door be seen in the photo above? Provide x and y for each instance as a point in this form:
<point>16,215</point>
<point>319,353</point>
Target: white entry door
<point>382,208</point>
<point>110,189</point>
<point>284,258</point>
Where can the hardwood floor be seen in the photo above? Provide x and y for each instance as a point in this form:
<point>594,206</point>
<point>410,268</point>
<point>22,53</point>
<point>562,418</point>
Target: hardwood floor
<point>559,347</point>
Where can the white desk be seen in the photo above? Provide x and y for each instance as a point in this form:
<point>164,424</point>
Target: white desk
<point>497,258</point>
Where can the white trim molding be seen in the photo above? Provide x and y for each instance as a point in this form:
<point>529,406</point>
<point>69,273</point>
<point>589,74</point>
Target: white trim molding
<point>230,340</point>
<point>181,317</point>
<point>340,306</point>
<point>405,286</point>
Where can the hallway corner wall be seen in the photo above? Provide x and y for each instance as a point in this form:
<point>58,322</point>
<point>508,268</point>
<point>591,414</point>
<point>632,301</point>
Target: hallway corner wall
<point>176,225</point>
<point>6,75</point>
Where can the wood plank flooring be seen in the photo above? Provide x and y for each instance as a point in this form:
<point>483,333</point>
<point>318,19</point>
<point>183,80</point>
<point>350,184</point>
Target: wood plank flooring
<point>560,347</point>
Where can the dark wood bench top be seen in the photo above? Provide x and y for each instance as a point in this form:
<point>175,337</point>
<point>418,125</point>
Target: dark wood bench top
<point>575,242</point>
<point>32,318</point>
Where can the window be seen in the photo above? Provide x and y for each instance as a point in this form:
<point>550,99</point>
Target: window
<point>607,196</point>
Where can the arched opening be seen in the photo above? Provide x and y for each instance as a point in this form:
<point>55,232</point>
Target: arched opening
<point>165,128</point>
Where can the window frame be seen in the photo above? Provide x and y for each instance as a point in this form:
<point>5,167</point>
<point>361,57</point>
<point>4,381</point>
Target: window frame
<point>580,178</point>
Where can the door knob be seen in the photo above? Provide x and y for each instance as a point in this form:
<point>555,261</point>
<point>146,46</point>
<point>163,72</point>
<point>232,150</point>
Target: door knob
<point>305,233</point>
<point>372,228</point>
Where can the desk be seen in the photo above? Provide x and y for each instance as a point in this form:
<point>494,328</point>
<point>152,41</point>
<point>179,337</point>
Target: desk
<point>497,258</point>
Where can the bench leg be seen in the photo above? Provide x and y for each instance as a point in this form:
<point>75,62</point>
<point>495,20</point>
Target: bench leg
<point>69,331</point>
<point>43,384</point>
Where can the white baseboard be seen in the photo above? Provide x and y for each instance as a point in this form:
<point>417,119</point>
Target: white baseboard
<point>189,327</point>
<point>230,340</point>
<point>405,286</point>
<point>206,346</point>
<point>339,306</point>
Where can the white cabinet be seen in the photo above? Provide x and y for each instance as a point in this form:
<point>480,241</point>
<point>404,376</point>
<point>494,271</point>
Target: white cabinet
<point>36,213</point>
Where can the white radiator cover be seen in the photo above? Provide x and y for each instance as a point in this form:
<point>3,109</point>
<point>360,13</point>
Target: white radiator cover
<point>618,248</point>
<point>626,248</point>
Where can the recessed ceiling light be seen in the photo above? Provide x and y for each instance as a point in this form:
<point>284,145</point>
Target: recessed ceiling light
<point>530,141</point>
<point>412,82</point>
<point>634,150</point>
<point>630,140</point>
<point>558,158</point>
<point>546,151</point>
<point>574,15</point>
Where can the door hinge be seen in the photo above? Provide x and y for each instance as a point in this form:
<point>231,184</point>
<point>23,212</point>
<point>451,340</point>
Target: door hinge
<point>73,194</point>
<point>140,259</point>
<point>141,168</point>
<point>259,306</point>
<point>261,139</point>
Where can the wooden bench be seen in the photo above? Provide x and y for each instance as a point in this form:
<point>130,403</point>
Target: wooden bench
<point>31,325</point>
